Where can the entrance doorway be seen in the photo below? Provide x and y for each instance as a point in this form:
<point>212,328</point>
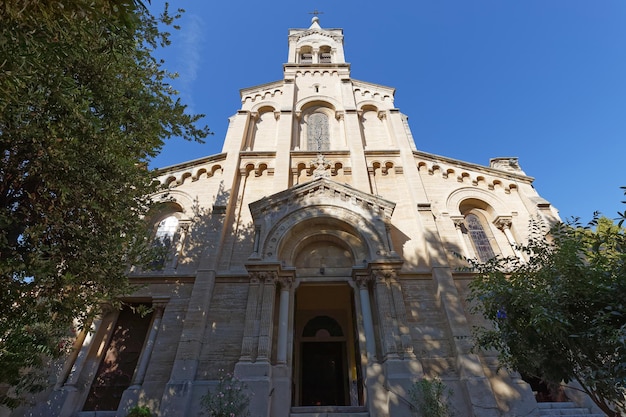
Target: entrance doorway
<point>327,366</point>
<point>324,374</point>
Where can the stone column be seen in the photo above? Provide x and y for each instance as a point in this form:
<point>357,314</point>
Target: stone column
<point>405,335</point>
<point>84,341</point>
<point>257,371</point>
<point>185,366</point>
<point>375,392</point>
<point>71,397</point>
<point>339,115</point>
<point>159,306</point>
<point>247,346</point>
<point>504,224</point>
<point>283,320</point>
<point>316,56</point>
<point>183,230</point>
<point>267,313</point>
<point>382,116</point>
<point>459,224</point>
<point>385,313</point>
<point>366,311</point>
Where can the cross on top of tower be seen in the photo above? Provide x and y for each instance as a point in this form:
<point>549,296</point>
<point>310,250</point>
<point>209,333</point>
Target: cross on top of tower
<point>315,19</point>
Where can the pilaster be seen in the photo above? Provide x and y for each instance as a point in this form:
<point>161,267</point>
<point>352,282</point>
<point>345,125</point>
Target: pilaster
<point>177,397</point>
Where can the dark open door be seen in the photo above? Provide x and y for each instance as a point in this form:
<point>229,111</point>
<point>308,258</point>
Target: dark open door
<point>324,374</point>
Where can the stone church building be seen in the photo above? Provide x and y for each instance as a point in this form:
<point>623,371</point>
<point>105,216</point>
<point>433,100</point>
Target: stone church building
<point>316,258</point>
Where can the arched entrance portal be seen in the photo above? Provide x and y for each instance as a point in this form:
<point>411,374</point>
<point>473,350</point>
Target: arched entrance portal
<point>327,369</point>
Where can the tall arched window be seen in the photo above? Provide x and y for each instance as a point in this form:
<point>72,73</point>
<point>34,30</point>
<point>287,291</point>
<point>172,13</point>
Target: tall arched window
<point>325,56</point>
<point>317,132</point>
<point>479,238</point>
<point>164,241</point>
<point>306,55</point>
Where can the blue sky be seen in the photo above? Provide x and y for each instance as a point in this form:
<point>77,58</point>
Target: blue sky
<point>543,80</point>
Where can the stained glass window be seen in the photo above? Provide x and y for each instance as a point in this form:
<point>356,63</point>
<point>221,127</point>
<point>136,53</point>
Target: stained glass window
<point>479,238</point>
<point>317,132</point>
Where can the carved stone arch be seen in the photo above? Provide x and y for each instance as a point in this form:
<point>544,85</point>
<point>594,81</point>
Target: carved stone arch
<point>383,167</point>
<point>479,198</point>
<point>215,168</point>
<point>305,52</point>
<point>180,198</point>
<point>325,54</point>
<point>198,173</point>
<point>326,203</point>
<point>261,132</point>
<point>170,180</point>
<point>276,245</point>
<point>264,107</point>
<point>331,231</point>
<point>318,101</point>
<point>165,209</point>
<point>366,105</point>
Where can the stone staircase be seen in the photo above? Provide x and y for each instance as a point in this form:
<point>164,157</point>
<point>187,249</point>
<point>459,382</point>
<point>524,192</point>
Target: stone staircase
<point>564,409</point>
<point>328,412</point>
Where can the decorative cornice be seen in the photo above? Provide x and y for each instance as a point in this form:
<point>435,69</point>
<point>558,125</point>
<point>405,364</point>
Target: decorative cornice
<point>438,159</point>
<point>327,187</point>
<point>299,35</point>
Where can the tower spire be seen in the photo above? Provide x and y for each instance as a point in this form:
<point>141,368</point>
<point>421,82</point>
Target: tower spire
<point>315,20</point>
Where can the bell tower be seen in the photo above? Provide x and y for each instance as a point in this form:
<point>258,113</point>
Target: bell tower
<point>316,46</point>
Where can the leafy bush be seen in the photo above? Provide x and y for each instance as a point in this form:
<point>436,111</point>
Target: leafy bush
<point>429,398</point>
<point>139,411</point>
<point>228,399</point>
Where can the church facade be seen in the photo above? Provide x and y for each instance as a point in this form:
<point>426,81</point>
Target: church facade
<point>316,258</point>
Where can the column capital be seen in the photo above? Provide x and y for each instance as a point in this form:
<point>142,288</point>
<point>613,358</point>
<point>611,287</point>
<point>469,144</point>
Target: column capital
<point>384,275</point>
<point>362,279</point>
<point>160,302</point>
<point>459,221</point>
<point>503,222</point>
<point>257,277</point>
<point>269,277</point>
<point>285,282</point>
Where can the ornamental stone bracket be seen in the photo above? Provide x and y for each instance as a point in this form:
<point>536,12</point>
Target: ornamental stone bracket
<point>503,222</point>
<point>266,272</point>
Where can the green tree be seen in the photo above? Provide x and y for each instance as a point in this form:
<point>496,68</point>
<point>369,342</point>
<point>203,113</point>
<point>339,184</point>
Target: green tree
<point>84,105</point>
<point>561,315</point>
<point>430,398</point>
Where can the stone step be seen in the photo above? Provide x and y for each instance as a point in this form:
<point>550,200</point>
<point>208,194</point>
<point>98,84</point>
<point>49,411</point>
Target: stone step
<point>564,409</point>
<point>328,412</point>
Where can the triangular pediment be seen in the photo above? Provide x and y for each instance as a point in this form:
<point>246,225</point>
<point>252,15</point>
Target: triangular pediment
<point>317,32</point>
<point>323,191</point>
<point>323,207</point>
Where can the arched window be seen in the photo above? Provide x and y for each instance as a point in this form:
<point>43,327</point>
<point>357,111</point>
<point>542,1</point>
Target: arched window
<point>478,237</point>
<point>167,229</point>
<point>317,132</point>
<point>322,326</point>
<point>306,55</point>
<point>325,56</point>
<point>164,241</point>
